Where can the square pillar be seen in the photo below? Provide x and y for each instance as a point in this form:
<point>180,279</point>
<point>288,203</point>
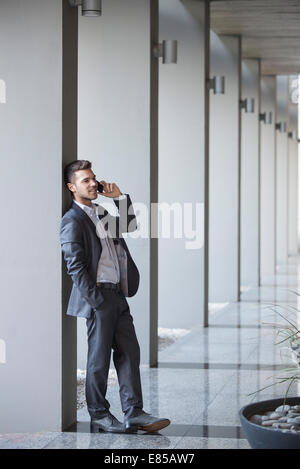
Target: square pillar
<point>224,179</point>
<point>282,101</point>
<point>293,167</point>
<point>182,163</point>
<point>38,134</point>
<point>267,179</point>
<point>250,176</point>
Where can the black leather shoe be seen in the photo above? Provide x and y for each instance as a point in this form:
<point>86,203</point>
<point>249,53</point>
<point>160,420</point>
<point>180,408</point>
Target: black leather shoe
<point>145,422</point>
<point>109,423</point>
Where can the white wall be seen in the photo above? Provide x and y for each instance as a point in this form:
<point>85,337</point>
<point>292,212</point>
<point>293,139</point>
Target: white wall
<point>282,172</point>
<point>114,124</point>
<point>250,173</point>
<point>267,186</point>
<point>224,171</point>
<point>31,160</point>
<point>181,160</point>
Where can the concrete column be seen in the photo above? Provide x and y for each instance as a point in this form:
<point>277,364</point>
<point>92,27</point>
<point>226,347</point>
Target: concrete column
<point>282,171</point>
<point>224,171</point>
<point>250,176</point>
<point>293,168</point>
<point>298,169</point>
<point>40,89</point>
<point>114,125</point>
<point>267,178</point>
<point>182,163</point>
<point>154,143</point>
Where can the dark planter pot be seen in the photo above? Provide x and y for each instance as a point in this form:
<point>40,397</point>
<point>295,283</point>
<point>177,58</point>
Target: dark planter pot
<point>266,438</point>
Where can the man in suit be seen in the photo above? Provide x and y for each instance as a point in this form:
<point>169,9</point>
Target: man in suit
<point>103,273</point>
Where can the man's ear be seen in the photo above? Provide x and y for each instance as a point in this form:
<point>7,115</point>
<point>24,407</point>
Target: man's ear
<point>70,187</point>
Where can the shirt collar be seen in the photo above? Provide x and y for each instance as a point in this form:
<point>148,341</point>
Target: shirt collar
<point>86,208</point>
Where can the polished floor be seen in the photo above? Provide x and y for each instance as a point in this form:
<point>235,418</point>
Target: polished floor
<point>204,378</point>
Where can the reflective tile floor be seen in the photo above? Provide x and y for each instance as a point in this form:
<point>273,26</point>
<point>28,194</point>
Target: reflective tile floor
<point>204,378</point>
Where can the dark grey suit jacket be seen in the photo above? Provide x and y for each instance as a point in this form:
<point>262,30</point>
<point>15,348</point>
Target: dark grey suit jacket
<point>82,249</point>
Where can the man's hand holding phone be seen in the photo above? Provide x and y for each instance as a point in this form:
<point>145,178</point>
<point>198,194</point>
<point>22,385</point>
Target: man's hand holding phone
<point>109,189</point>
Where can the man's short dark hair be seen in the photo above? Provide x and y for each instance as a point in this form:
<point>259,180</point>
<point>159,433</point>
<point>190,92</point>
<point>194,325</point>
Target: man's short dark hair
<point>74,166</point>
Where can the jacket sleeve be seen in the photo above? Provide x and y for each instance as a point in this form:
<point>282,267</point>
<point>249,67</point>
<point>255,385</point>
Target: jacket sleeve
<point>74,255</point>
<point>125,222</point>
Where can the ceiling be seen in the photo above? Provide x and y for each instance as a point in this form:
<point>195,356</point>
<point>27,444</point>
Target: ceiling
<point>270,30</point>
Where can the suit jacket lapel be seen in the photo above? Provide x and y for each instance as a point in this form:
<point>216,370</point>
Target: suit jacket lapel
<point>84,217</point>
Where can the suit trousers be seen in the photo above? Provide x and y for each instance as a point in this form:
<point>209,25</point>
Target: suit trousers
<point>111,328</point>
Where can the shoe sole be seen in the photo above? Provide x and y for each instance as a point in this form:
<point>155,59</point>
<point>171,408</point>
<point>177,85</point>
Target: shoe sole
<point>153,427</point>
<point>156,426</point>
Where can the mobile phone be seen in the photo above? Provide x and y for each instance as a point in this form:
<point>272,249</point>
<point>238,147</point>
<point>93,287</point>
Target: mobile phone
<point>100,187</point>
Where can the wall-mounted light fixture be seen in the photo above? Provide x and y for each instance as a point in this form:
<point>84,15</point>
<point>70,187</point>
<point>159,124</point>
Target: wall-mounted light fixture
<point>293,135</point>
<point>266,117</point>
<point>247,104</point>
<point>167,50</point>
<point>88,7</point>
<point>281,126</point>
<point>217,84</point>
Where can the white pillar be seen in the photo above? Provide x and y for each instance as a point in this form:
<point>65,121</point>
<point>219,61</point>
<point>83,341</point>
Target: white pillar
<point>182,161</point>
<point>267,179</point>
<point>114,124</point>
<point>34,371</point>
<point>282,171</point>
<point>250,174</point>
<point>224,172</point>
<point>293,168</point>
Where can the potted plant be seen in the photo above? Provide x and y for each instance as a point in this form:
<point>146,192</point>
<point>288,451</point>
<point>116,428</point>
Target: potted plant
<point>275,424</point>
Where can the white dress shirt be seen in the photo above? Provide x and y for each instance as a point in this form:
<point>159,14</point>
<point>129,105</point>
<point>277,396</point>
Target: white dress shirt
<point>109,265</point>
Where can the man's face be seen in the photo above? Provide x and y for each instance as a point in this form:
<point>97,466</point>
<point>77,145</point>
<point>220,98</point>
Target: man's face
<point>84,185</point>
